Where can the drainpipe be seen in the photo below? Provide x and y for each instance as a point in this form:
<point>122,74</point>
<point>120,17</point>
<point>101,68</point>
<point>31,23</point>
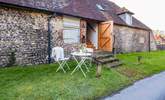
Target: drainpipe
<point>149,41</point>
<point>114,49</point>
<point>49,37</point>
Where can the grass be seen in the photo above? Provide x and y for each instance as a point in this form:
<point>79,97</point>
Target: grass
<point>152,63</point>
<point>43,83</point>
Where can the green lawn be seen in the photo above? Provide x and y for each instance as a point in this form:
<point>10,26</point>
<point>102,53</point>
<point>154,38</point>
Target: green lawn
<point>43,83</point>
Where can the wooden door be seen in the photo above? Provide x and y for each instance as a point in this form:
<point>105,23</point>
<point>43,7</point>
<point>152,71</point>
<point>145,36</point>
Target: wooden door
<point>83,30</point>
<point>105,36</point>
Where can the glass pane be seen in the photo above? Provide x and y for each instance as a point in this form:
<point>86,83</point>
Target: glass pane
<point>71,36</point>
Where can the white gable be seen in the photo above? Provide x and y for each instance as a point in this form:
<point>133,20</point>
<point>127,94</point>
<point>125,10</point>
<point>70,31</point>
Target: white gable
<point>127,18</point>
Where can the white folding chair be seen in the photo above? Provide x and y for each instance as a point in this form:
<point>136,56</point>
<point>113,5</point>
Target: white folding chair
<point>58,56</point>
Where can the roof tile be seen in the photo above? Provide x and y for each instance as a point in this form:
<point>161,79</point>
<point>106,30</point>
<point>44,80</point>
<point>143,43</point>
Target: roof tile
<point>79,8</point>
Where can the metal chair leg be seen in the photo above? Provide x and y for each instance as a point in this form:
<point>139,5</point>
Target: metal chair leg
<point>60,67</point>
<point>85,65</point>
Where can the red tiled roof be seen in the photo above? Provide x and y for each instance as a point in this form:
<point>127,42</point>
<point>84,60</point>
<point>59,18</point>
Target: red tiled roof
<point>80,8</point>
<point>159,38</point>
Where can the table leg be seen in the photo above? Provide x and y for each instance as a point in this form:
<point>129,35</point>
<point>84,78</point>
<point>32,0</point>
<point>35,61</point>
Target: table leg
<point>84,59</point>
<point>79,64</point>
<point>76,66</point>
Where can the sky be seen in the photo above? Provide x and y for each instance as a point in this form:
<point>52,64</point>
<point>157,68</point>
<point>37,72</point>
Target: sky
<point>150,12</point>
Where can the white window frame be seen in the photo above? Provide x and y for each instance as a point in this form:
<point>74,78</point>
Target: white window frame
<point>71,37</point>
<point>100,7</point>
<point>71,24</point>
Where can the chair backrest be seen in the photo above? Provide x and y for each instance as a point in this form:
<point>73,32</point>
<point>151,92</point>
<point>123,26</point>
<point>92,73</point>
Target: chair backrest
<point>57,53</point>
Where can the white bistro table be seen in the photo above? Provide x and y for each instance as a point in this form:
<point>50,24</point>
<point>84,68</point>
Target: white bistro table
<point>84,56</point>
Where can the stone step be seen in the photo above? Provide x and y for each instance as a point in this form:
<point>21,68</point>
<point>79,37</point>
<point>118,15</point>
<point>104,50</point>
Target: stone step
<point>99,56</point>
<point>103,52</point>
<point>107,60</point>
<point>114,64</point>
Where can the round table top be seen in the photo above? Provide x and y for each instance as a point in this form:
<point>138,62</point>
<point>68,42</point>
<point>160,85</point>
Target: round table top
<point>81,54</point>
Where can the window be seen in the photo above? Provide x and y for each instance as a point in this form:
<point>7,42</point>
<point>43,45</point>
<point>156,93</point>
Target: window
<point>127,18</point>
<point>71,36</point>
<point>71,33</point>
<point>100,7</point>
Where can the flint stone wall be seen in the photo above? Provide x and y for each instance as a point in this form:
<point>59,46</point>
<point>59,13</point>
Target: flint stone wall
<point>130,39</point>
<point>26,33</point>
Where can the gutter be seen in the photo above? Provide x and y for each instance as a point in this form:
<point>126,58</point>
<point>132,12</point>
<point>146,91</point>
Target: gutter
<point>49,36</point>
<point>114,49</point>
<point>18,6</point>
<point>149,41</point>
<point>132,27</point>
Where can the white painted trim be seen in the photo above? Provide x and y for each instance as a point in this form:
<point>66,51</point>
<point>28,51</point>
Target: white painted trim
<point>71,29</point>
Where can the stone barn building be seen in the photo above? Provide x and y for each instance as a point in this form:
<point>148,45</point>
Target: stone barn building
<point>31,28</point>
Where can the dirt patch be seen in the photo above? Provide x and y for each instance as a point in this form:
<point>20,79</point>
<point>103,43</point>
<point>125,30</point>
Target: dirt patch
<point>127,71</point>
